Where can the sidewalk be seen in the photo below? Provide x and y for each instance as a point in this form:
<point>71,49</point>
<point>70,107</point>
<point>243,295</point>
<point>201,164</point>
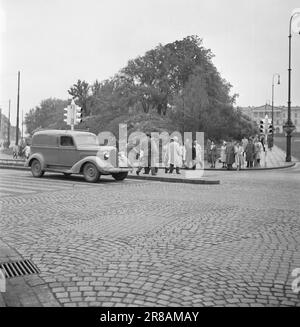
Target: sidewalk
<point>273,159</point>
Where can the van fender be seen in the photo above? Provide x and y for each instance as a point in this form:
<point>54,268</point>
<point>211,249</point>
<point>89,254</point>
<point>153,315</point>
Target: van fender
<point>37,156</point>
<point>102,165</point>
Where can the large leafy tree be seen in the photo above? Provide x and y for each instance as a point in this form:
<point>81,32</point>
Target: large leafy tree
<point>171,86</point>
<point>163,73</point>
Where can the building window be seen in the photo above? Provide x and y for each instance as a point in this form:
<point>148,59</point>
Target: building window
<point>277,122</point>
<point>295,114</point>
<point>277,114</point>
<point>255,114</point>
<point>261,115</point>
<point>296,123</point>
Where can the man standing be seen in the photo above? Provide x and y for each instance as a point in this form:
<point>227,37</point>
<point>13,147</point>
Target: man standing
<point>230,155</point>
<point>196,155</point>
<point>149,153</point>
<point>250,151</point>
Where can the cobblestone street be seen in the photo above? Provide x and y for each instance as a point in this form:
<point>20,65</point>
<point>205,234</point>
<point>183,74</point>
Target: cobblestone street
<point>146,243</point>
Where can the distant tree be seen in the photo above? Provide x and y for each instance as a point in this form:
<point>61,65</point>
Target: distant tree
<point>49,114</point>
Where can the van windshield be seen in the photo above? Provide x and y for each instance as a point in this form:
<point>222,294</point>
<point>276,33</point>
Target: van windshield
<point>89,140</point>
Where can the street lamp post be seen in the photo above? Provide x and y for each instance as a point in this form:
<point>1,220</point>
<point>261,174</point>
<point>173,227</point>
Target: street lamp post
<point>278,82</point>
<point>289,126</point>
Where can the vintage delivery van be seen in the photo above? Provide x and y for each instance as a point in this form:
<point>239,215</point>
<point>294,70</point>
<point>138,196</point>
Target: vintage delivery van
<point>74,152</point>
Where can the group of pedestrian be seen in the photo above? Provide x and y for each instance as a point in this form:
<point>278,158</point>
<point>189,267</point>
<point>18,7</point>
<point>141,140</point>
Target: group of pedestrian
<point>254,151</point>
<point>21,151</point>
<point>174,155</point>
<point>249,151</point>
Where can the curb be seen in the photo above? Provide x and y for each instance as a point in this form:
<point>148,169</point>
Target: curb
<point>175,180</point>
<point>21,167</point>
<point>254,168</point>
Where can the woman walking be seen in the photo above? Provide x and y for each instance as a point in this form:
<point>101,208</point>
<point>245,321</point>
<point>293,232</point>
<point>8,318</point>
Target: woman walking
<point>223,155</point>
<point>258,151</point>
<point>213,155</point>
<point>239,155</point>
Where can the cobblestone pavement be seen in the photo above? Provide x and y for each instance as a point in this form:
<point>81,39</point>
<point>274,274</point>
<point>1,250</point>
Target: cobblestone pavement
<point>138,243</point>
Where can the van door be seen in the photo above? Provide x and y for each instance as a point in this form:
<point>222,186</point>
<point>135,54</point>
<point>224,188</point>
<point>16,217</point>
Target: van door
<point>68,155</point>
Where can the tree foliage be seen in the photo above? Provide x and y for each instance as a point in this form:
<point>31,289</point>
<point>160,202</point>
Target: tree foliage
<point>172,85</point>
<point>80,92</point>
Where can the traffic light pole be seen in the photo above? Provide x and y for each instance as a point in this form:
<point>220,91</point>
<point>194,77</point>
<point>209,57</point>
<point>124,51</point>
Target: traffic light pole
<point>273,104</point>
<point>8,125</point>
<point>18,105</point>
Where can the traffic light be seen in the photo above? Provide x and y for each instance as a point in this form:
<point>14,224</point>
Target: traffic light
<point>270,129</point>
<point>262,127</point>
<point>78,115</point>
<point>67,115</point>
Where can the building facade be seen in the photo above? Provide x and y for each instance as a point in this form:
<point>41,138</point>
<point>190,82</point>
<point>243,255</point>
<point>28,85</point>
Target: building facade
<point>280,115</point>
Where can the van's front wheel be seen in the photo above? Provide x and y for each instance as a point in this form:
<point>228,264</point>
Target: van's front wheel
<point>36,168</point>
<point>91,173</point>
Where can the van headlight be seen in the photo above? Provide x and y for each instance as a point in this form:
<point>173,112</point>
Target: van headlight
<point>106,156</point>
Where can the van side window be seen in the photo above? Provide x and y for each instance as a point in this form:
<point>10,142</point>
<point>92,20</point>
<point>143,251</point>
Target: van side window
<point>66,141</point>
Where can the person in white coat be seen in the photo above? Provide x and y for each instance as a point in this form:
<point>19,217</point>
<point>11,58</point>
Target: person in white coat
<point>196,155</point>
<point>26,151</point>
<point>175,155</point>
<point>258,153</point>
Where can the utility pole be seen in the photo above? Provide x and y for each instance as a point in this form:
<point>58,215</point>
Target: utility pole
<point>0,120</point>
<point>22,124</point>
<point>8,125</point>
<point>18,105</point>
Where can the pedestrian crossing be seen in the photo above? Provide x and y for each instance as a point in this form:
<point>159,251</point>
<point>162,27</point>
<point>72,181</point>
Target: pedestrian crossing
<point>19,182</point>
<point>14,183</point>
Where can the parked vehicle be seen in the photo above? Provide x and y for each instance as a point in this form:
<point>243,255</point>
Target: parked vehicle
<point>74,152</point>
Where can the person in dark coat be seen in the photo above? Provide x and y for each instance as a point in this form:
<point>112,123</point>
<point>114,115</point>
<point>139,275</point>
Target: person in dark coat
<point>230,155</point>
<point>148,148</point>
<point>212,155</point>
<point>250,152</point>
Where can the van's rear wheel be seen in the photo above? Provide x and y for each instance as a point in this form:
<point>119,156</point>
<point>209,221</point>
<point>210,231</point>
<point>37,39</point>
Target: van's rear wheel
<point>36,168</point>
<point>91,173</point>
<point>120,176</point>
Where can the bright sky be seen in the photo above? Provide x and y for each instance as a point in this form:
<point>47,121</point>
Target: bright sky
<point>54,43</point>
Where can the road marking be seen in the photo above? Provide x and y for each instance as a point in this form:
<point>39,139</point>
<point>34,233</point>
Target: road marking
<point>25,186</point>
<point>45,183</point>
<point>13,190</point>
